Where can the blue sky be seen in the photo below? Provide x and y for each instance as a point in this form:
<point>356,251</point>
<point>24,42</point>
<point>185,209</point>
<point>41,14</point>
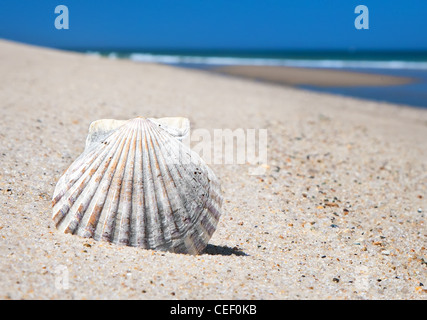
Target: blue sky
<point>218,24</point>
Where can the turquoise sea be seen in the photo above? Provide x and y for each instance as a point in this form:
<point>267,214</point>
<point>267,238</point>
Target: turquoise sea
<point>398,63</point>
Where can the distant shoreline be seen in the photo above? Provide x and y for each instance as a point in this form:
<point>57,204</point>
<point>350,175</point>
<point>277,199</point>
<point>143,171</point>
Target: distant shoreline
<point>401,87</point>
<point>399,79</point>
<point>308,59</point>
<point>312,76</point>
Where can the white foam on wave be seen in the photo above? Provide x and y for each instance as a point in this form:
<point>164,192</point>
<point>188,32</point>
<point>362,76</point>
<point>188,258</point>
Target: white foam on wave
<point>307,63</point>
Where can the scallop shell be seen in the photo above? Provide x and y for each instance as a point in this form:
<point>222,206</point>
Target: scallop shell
<point>137,184</point>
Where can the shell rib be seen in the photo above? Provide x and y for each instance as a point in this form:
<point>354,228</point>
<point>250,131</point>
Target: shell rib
<point>136,184</point>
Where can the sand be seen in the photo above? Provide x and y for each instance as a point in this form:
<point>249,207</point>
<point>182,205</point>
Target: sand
<point>316,77</point>
<point>340,212</point>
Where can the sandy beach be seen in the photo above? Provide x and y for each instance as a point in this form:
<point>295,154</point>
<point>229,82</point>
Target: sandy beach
<point>317,77</point>
<point>340,212</point>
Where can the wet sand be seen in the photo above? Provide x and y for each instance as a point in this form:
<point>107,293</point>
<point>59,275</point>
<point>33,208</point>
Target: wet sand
<point>312,76</point>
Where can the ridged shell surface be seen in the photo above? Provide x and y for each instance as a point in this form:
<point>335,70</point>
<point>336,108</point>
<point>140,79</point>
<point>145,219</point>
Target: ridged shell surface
<point>138,185</point>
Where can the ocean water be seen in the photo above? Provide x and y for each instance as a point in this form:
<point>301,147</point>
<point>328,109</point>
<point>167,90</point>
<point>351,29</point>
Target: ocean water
<point>412,94</point>
<point>404,63</point>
